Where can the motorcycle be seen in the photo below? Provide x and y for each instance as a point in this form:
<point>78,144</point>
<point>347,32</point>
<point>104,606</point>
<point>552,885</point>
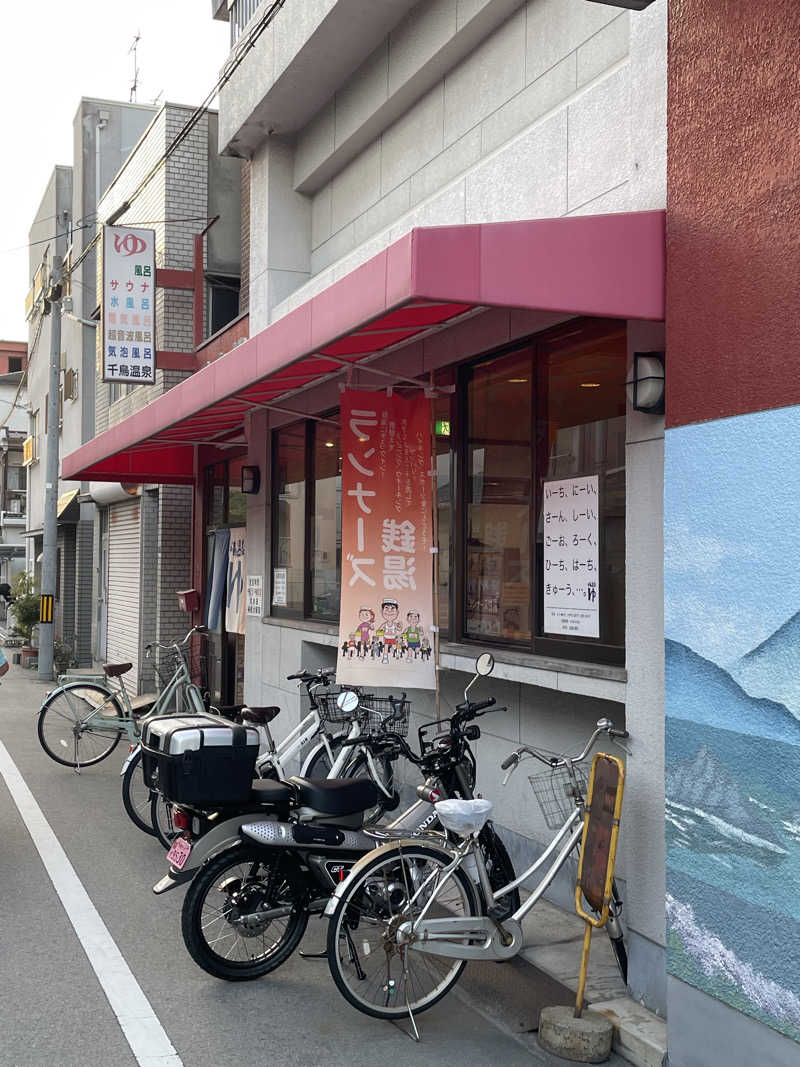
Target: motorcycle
<point>257,875</point>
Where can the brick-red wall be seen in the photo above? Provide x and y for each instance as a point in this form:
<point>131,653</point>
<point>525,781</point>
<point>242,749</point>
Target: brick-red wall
<point>12,350</point>
<point>733,208</point>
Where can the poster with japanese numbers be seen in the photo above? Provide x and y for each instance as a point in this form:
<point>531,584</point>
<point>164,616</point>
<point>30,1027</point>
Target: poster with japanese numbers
<point>570,580</point>
<point>128,305</point>
<point>386,606</point>
<point>236,585</point>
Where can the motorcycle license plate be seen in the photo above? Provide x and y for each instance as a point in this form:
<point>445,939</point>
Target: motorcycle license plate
<point>179,853</point>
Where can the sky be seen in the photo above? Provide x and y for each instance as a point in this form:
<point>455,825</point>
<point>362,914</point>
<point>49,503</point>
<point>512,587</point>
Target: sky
<point>52,53</point>
<point>731,573</point>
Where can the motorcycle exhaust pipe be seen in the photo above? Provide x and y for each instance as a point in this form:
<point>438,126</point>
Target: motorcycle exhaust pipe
<point>292,835</point>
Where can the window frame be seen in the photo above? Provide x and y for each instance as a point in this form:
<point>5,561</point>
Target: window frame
<point>577,649</point>
<point>310,428</point>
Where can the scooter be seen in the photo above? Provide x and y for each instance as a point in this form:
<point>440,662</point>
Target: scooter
<point>258,875</point>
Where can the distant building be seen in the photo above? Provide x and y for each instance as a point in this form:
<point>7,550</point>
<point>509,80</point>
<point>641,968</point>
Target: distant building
<point>13,432</point>
<point>104,134</point>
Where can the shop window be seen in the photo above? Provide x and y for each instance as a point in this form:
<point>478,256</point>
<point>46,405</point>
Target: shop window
<point>225,507</point>
<point>326,521</point>
<point>307,520</point>
<point>498,499</point>
<point>552,410</point>
<point>505,426</point>
<point>289,509</point>
<point>580,419</point>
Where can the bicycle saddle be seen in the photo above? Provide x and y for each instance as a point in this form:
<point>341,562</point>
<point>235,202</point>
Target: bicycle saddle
<point>114,670</point>
<point>260,716</point>
<point>335,796</point>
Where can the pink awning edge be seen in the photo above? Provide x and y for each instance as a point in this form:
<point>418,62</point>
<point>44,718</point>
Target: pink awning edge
<point>604,265</point>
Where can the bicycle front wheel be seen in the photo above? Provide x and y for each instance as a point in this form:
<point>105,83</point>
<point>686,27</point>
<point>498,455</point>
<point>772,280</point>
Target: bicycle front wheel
<point>136,795</point>
<point>77,724</point>
<point>371,970</point>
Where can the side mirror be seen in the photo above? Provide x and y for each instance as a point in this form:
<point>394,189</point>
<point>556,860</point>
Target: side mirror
<point>484,664</point>
<point>347,701</point>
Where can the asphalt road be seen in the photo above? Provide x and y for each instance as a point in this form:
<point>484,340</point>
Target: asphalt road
<point>53,1010</point>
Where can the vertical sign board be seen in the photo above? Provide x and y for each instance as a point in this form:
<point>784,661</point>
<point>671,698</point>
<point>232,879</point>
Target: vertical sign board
<point>386,609</point>
<point>255,594</point>
<point>237,581</point>
<point>571,531</point>
<point>128,305</point>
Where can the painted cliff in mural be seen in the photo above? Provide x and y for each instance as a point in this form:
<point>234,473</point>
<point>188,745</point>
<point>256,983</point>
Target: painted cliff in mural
<point>732,620</point>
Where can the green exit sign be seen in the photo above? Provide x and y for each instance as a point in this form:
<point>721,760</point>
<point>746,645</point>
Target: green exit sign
<point>442,427</point>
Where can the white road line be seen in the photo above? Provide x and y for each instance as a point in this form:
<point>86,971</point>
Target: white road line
<point>143,1032</point>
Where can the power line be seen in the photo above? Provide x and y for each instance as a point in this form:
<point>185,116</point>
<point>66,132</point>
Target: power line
<point>227,73</point>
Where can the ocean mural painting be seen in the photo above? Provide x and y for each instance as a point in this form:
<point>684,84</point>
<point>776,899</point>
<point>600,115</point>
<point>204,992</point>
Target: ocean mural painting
<point>732,624</point>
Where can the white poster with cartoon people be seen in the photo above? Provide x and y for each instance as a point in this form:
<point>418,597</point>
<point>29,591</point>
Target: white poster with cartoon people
<point>386,609</point>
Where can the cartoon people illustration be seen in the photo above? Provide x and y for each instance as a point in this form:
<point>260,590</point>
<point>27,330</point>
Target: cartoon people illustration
<point>413,635</point>
<point>389,632</point>
<point>365,628</point>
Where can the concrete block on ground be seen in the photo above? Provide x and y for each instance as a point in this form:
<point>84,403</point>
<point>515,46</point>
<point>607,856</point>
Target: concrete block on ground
<point>584,1040</point>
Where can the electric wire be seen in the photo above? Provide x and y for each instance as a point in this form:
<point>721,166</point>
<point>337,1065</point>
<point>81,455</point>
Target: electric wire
<point>243,47</point>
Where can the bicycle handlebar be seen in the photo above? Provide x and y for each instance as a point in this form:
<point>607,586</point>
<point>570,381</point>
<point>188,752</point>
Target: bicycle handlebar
<point>604,726</point>
<point>202,630</point>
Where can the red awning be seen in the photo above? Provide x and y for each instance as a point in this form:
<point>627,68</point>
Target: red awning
<point>606,265</point>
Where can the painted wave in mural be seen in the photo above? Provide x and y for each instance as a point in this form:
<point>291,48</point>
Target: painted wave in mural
<point>771,669</point>
<point>765,998</point>
<point>733,840</point>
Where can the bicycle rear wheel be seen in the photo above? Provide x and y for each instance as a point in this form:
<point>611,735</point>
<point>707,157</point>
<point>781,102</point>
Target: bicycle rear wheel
<point>77,724</point>
<point>372,971</point>
<point>136,795</point>
<point>161,820</point>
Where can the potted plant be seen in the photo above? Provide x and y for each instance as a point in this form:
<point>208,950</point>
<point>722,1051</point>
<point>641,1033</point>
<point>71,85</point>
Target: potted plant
<point>26,609</point>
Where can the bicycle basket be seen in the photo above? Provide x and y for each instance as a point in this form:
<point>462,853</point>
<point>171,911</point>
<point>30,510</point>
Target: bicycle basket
<point>330,711</point>
<point>553,791</point>
<point>380,715</point>
<point>168,661</point>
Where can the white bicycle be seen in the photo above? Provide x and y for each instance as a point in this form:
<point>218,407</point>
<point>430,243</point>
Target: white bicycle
<point>409,916</point>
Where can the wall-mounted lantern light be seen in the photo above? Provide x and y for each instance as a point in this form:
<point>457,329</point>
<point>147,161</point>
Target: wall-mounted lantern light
<point>251,479</point>
<point>646,386</point>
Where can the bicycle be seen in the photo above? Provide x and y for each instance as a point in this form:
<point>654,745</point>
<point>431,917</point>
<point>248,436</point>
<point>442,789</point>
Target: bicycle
<point>405,922</point>
<point>328,758</point>
<point>85,714</point>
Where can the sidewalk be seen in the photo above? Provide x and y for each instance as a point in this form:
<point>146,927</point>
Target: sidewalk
<point>505,998</point>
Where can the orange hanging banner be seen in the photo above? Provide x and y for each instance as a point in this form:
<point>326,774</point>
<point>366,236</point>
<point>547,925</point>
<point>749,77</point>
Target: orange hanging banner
<point>386,607</point>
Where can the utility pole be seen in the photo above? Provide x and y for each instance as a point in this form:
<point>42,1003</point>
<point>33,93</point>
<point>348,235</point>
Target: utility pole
<point>48,589</point>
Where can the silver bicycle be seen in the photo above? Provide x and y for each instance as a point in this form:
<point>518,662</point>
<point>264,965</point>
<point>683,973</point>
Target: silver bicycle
<point>409,916</point>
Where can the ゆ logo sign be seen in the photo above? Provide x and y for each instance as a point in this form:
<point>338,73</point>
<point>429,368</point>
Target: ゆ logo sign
<point>129,244</point>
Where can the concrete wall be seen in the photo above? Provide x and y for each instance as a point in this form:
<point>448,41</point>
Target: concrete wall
<point>56,201</point>
<point>461,112</point>
<point>560,110</point>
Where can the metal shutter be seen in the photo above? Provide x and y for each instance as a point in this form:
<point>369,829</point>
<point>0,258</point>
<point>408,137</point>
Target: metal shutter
<point>124,566</point>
